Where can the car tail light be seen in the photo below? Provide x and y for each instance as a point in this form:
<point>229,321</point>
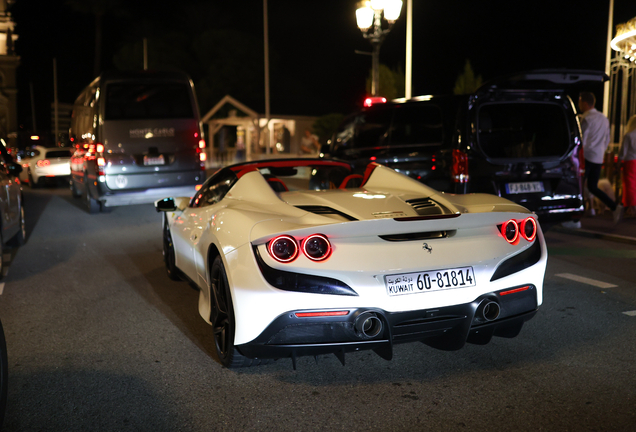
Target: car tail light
<point>203,157</point>
<point>201,144</point>
<point>283,248</point>
<point>510,231</point>
<point>321,314</point>
<point>42,163</point>
<point>528,228</point>
<point>370,101</point>
<point>100,148</point>
<point>317,247</point>
<point>459,171</point>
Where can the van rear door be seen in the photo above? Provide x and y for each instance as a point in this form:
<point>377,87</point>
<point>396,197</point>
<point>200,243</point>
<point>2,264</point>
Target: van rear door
<point>151,135</point>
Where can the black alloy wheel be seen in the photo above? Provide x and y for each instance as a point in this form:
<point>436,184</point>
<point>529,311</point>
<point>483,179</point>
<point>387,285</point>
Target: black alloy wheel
<point>222,319</point>
<point>168,253</point>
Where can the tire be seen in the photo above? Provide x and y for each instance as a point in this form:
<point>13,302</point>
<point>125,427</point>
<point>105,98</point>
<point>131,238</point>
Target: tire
<point>1,258</point>
<point>32,183</point>
<point>74,190</point>
<point>168,253</point>
<point>223,321</point>
<point>4,375</point>
<point>91,203</point>
<point>20,237</point>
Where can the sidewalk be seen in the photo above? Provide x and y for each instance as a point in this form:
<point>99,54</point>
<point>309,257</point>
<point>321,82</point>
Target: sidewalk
<point>602,227</point>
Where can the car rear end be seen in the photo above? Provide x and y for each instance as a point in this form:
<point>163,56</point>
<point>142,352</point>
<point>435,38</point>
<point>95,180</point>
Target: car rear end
<point>441,277</point>
<point>413,137</point>
<point>523,143</point>
<point>54,163</point>
<point>151,141</point>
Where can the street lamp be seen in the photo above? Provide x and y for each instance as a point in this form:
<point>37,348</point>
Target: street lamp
<point>369,17</point>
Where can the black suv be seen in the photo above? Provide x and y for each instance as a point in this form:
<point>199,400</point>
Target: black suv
<point>517,137</point>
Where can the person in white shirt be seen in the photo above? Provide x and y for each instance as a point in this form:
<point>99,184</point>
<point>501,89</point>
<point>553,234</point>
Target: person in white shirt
<point>309,143</point>
<point>596,138</point>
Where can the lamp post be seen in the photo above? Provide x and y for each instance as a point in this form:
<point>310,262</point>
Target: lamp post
<point>369,16</point>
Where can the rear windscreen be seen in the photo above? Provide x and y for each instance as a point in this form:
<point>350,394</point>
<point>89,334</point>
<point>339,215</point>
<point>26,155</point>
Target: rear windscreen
<point>58,154</point>
<point>417,125</point>
<point>523,130</point>
<point>134,101</point>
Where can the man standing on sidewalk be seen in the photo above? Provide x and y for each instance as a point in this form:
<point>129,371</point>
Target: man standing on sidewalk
<point>596,137</point>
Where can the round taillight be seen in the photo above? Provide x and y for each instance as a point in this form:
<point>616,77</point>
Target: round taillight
<point>43,162</point>
<point>283,248</point>
<point>529,229</point>
<point>510,231</point>
<point>317,247</point>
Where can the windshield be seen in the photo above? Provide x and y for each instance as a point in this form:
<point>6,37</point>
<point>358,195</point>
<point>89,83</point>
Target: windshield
<point>522,130</point>
<point>135,101</point>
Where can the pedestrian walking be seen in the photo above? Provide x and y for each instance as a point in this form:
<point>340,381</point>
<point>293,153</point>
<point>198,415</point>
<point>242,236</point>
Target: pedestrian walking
<point>596,138</point>
<point>627,155</point>
<point>309,143</point>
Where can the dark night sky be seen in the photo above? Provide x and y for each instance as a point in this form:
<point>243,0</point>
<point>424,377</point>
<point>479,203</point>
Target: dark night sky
<point>313,43</point>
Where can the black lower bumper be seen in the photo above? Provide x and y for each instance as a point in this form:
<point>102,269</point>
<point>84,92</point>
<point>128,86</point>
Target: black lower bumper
<point>500,313</point>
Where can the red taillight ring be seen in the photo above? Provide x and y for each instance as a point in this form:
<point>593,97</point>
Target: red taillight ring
<point>292,256</point>
<point>504,229</point>
<point>524,223</point>
<point>312,255</point>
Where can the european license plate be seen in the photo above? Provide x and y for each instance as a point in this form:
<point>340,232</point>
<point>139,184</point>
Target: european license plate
<point>154,160</point>
<point>524,187</point>
<point>434,280</point>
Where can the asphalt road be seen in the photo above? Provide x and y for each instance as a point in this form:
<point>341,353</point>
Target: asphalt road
<point>99,339</point>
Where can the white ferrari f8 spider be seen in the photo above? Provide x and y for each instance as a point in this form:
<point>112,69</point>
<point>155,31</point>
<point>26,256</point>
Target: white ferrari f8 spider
<point>301,257</point>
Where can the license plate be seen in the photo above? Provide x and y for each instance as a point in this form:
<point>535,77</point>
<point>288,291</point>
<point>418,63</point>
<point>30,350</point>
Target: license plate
<point>434,280</point>
<point>524,187</point>
<point>154,160</point>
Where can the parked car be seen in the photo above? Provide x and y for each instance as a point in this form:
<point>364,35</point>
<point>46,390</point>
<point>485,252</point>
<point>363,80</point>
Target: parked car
<point>517,137</point>
<point>303,257</point>
<point>12,221</point>
<point>40,164</point>
<point>138,138</point>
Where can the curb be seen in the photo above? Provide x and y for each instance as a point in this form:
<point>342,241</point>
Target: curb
<point>595,234</point>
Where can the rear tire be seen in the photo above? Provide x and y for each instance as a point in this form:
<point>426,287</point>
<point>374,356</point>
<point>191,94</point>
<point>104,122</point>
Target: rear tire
<point>223,321</point>
<point>91,203</point>
<point>32,184</point>
<point>168,253</point>
<point>4,375</point>
<point>20,237</point>
<point>74,190</point>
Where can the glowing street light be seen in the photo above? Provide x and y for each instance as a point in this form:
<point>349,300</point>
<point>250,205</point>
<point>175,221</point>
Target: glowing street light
<point>370,16</point>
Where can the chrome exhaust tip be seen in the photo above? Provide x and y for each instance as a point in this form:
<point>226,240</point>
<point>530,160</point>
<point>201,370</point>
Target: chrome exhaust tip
<point>490,310</point>
<point>368,325</point>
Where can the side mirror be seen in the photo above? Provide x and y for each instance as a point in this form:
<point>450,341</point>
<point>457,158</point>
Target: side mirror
<point>14,168</point>
<point>165,205</point>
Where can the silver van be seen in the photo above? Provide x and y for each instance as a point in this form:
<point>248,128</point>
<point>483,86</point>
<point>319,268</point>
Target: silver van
<point>137,138</point>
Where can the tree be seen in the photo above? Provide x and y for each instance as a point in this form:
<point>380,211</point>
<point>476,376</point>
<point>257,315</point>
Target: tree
<point>391,82</point>
<point>467,82</point>
<point>326,125</point>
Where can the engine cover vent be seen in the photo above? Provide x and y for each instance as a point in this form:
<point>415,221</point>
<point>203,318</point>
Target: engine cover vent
<point>426,207</point>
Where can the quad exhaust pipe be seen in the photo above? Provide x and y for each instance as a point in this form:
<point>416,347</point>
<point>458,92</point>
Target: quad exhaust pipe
<point>368,325</point>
